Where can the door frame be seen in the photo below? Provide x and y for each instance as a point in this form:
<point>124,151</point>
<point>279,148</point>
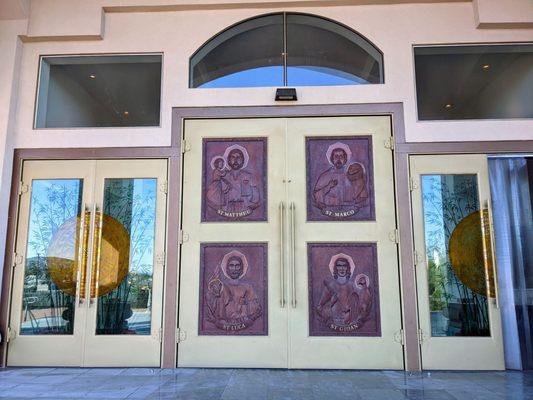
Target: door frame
<point>408,299</point>
<point>173,157</point>
<point>402,151</point>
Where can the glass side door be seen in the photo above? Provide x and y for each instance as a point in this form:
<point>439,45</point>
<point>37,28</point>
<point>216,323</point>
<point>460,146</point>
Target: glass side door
<point>344,292</point>
<point>125,293</point>
<point>459,317</point>
<point>88,279</point>
<point>232,310</point>
<point>48,307</point>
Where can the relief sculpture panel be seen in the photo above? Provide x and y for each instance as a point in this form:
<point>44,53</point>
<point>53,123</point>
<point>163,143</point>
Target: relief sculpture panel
<point>234,186</point>
<point>343,289</point>
<point>233,289</point>
<point>340,178</point>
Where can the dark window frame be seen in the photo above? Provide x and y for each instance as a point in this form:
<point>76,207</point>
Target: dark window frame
<point>94,55</point>
<point>284,54</point>
<point>457,46</point>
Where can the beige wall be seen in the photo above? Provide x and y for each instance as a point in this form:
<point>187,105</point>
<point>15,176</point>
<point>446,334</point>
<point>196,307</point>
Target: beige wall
<point>504,13</point>
<point>14,9</point>
<point>11,51</point>
<point>393,28</point>
<point>178,28</point>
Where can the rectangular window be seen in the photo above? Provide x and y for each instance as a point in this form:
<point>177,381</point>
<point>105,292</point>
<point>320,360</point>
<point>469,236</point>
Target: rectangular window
<point>474,82</point>
<point>99,91</point>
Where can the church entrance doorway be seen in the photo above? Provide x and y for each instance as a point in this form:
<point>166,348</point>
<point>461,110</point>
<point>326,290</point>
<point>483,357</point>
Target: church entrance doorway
<point>459,314</point>
<point>88,268</point>
<point>289,250</point>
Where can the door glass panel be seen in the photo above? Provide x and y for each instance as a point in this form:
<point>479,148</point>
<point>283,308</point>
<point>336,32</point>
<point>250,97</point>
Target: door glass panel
<point>51,267</point>
<point>126,257</point>
<point>455,256</point>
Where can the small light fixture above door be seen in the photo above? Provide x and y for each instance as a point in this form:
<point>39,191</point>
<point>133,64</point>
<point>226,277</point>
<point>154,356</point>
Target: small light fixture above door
<point>286,94</point>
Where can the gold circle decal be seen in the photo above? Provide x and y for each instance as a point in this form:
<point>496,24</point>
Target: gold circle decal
<point>466,252</point>
<point>114,255</point>
<point>63,257</point>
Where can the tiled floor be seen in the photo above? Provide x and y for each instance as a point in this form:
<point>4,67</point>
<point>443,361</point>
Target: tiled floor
<point>254,384</point>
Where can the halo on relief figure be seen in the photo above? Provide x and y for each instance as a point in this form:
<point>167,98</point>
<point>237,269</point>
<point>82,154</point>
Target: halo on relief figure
<point>358,277</point>
<point>225,259</point>
<point>339,145</point>
<point>242,149</point>
<point>215,158</point>
<point>334,260</point>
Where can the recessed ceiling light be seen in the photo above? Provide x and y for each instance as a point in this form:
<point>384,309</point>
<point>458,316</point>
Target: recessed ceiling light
<point>486,66</point>
<point>92,76</point>
<point>448,106</point>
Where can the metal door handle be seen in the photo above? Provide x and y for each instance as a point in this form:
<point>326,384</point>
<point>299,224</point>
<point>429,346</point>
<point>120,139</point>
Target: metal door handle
<point>492,251</point>
<point>83,254</point>
<point>293,256</point>
<point>97,247</point>
<point>282,253</point>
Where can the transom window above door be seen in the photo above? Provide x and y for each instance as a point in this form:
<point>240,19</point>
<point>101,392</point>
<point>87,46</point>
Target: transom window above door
<point>97,91</point>
<point>286,49</point>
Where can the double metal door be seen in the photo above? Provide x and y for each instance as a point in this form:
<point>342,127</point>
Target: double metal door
<point>88,279</point>
<point>289,257</point>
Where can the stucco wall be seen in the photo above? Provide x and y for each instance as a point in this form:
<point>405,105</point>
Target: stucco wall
<point>393,28</point>
<point>177,29</point>
<point>504,13</point>
<point>11,51</point>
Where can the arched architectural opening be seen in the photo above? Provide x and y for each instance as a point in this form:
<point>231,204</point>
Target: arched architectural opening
<point>286,49</point>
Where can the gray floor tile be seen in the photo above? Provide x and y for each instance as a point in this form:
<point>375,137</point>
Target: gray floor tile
<point>428,394</point>
<point>245,392</point>
<point>478,395</point>
<point>381,394</point>
<point>280,393</point>
<point>260,384</point>
<point>335,393</point>
<point>194,394</point>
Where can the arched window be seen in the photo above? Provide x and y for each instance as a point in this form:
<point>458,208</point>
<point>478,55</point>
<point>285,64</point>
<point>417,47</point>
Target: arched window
<point>286,49</point>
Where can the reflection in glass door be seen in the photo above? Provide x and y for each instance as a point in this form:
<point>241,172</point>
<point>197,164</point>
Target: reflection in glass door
<point>127,242</point>
<point>456,277</point>
<point>52,257</point>
<point>126,282</point>
<point>89,236</point>
<point>47,313</point>
<point>458,308</point>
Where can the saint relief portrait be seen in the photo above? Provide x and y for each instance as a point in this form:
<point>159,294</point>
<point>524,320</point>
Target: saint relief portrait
<point>343,290</point>
<point>233,289</point>
<point>339,178</point>
<point>234,180</point>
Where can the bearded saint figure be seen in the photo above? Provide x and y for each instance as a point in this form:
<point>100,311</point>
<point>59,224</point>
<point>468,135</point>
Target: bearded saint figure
<point>232,303</point>
<point>341,302</point>
<point>232,191</point>
<point>341,190</point>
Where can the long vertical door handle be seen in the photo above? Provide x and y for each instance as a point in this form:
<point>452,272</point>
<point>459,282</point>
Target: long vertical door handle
<point>293,256</point>
<point>97,248</point>
<point>492,243</point>
<point>282,253</point>
<point>83,254</point>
